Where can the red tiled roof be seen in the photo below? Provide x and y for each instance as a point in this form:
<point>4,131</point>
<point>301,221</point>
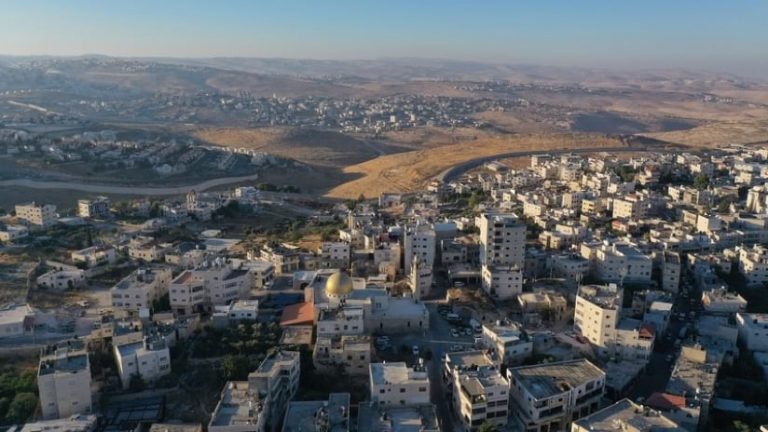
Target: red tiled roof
<point>647,330</point>
<point>665,401</point>
<point>298,314</point>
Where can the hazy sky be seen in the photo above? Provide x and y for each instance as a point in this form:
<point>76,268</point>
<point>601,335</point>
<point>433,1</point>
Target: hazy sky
<point>702,34</point>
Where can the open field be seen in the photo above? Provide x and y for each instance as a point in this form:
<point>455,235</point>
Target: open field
<point>314,147</point>
<point>717,134</point>
<point>409,171</point>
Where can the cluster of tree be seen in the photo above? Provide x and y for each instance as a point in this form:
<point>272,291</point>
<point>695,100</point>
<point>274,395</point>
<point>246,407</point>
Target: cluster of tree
<point>253,339</point>
<point>18,396</point>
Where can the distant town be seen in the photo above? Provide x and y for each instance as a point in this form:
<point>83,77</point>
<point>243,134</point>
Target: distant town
<point>572,292</point>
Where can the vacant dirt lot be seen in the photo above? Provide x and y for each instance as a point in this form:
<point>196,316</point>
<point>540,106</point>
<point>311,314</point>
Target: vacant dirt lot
<point>718,134</point>
<point>411,170</point>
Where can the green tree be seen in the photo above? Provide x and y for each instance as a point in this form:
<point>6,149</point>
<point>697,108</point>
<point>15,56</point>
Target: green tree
<point>236,367</point>
<point>740,426</point>
<point>22,406</point>
<point>487,427</point>
<point>701,181</point>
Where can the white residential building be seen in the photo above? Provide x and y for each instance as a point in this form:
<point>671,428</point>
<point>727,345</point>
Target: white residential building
<point>753,331</point>
<point>39,216</point>
<point>753,264</point>
<point>276,381</point>
<point>139,289</point>
<point>93,209</point>
<point>147,360</point>
<point>548,397</point>
<point>94,256</point>
<point>397,384</point>
<point>618,262</point>
<point>352,354</point>
<point>721,301</point>
<point>502,240</point>
<point>478,391</point>
<point>335,255</point>
<point>74,423</point>
<point>16,320</point>
<point>502,282</point>
<point>508,341</point>
<point>420,240</point>
<point>215,283</point>
<point>64,380</point>
<point>61,279</point>
<point>240,409</point>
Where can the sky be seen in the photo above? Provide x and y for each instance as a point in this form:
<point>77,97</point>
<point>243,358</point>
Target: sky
<point>697,34</point>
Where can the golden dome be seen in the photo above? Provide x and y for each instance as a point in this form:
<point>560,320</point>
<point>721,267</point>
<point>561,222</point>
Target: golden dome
<point>338,285</point>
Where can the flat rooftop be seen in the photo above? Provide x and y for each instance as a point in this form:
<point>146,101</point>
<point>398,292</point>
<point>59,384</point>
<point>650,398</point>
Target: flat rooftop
<point>468,359</point>
<point>237,407</point>
<point>415,418</point>
<point>626,415</point>
<point>331,415</point>
<point>605,296</point>
<point>551,379</point>
<point>14,314</point>
<point>65,357</point>
<point>396,373</point>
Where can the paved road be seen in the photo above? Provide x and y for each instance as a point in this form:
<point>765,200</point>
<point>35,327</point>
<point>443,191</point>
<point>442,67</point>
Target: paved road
<point>457,170</point>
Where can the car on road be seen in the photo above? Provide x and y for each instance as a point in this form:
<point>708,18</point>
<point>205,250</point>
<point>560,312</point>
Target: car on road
<point>454,333</point>
<point>468,331</point>
<point>458,284</point>
<point>457,348</point>
<point>416,350</point>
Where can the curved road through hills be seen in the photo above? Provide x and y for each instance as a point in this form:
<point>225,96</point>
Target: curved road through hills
<point>457,170</point>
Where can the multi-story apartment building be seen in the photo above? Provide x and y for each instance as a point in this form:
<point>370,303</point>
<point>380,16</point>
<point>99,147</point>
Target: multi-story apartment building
<point>276,381</point>
<point>215,283</point>
<point>240,409</point>
<point>330,415</point>
<point>146,360</point>
<point>419,239</point>
<point>93,209</point>
<point>633,207</point>
<point>262,272</point>
<point>38,216</point>
<point>502,240</point>
<point>397,384</point>
<point>478,391</point>
<point>548,397</point>
<point>508,341</point>
<point>147,249</point>
<point>285,259</point>
<point>342,320</point>
<point>502,282</point>
<point>335,255</point>
<point>352,354</point>
<point>753,331</point>
<point>11,233</point>
<point>618,262</point>
<point>722,301</point>
<point>753,264</point>
<point>64,380</point>
<point>669,264</point>
<point>142,287</point>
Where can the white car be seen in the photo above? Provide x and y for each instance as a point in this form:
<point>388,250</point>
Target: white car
<point>454,333</point>
<point>415,350</point>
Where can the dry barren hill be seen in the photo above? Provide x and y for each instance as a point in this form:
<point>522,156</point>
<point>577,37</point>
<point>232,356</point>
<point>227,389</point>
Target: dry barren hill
<point>411,170</point>
<point>717,134</point>
<point>313,147</point>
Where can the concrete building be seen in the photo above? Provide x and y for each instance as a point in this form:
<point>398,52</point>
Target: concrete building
<point>64,380</point>
<point>74,423</point>
<point>548,397</point>
<point>61,279</point>
<point>276,380</point>
<point>341,321</point>
<point>373,417</point>
<point>147,249</point>
<point>93,209</point>
<point>693,378</point>
<point>335,255</point>
<point>240,409</point>
<point>139,289</point>
<point>508,341</point>
<point>419,239</point>
<point>38,216</point>
<point>352,354</point>
<point>597,312</point>
<point>502,240</point>
<point>215,283</point>
<point>396,384</point>
<point>16,320</point>
<point>753,264</point>
<point>618,262</point>
<point>285,260</point>
<point>477,389</point>
<point>330,415</point>
<point>262,273</point>
<point>147,360</point>
<point>502,282</point>
<point>670,271</point>
<point>95,256</point>
<point>420,278</point>
<point>239,310</point>
<point>753,331</point>
<point>626,415</point>
<point>721,301</point>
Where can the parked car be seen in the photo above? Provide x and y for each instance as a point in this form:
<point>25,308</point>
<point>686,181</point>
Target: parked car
<point>454,333</point>
<point>416,350</point>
